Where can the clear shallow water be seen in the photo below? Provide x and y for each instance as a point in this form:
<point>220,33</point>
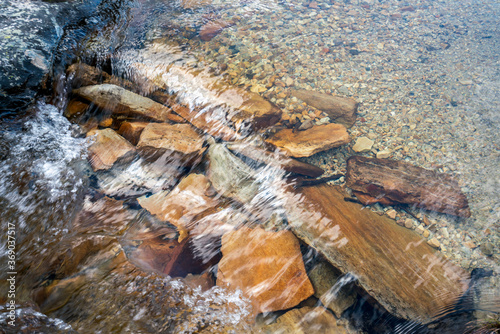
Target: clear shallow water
<point>411,71</point>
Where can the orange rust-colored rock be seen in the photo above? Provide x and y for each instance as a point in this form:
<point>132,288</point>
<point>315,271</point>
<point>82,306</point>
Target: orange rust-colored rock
<point>108,148</point>
<point>193,195</point>
<point>392,263</point>
<point>132,131</point>
<point>179,141</point>
<point>120,101</point>
<point>300,144</point>
<point>266,266</point>
<point>401,182</point>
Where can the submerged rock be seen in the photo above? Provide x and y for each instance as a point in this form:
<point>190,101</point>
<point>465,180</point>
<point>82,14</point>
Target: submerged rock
<point>120,101</point>
<point>320,138</point>
<point>305,320</point>
<point>206,92</point>
<point>108,149</point>
<point>176,142</point>
<point>212,29</point>
<point>230,176</point>
<point>275,159</point>
<point>363,144</point>
<point>334,290</point>
<point>393,264</point>
<point>341,110</point>
<point>266,266</point>
<point>132,131</point>
<point>401,182</point>
<point>192,196</point>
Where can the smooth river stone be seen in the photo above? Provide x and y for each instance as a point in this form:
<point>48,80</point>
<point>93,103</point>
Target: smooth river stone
<point>401,182</point>
<point>108,148</point>
<point>393,264</point>
<point>120,101</point>
<point>266,266</point>
<point>319,138</point>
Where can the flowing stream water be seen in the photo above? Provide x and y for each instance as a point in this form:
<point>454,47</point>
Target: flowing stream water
<point>220,234</point>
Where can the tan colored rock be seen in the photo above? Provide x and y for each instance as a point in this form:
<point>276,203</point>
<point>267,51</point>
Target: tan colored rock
<point>177,142</point>
<point>320,138</point>
<point>407,276</point>
<point>212,29</point>
<point>120,101</point>
<point>340,109</point>
<point>108,148</point>
<point>434,243</point>
<point>334,291</point>
<point>401,182</point>
<point>266,266</point>
<point>363,144</point>
<point>132,131</point>
<point>305,320</point>
<point>391,213</point>
<point>384,154</point>
<point>192,196</point>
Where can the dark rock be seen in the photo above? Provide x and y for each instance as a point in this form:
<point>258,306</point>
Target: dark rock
<point>401,182</point>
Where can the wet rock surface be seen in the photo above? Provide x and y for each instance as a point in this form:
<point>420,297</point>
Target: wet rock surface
<point>404,274</point>
<point>401,182</point>
<point>266,266</point>
<point>340,109</point>
<point>308,142</point>
<point>107,148</point>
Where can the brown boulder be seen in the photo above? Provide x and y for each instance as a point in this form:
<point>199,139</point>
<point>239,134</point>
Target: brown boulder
<point>300,144</point>
<point>266,266</point>
<point>108,148</point>
<point>401,182</point>
<point>122,102</point>
<point>179,142</point>
<point>392,263</point>
<point>132,131</point>
<point>193,195</point>
<point>340,109</point>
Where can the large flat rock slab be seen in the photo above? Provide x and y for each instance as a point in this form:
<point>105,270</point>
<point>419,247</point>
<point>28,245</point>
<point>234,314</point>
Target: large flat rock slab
<point>341,110</point>
<point>320,138</point>
<point>120,101</point>
<point>393,264</point>
<point>198,88</point>
<point>401,182</point>
<point>266,266</point>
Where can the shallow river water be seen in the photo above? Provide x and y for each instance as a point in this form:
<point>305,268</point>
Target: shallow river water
<point>180,171</point>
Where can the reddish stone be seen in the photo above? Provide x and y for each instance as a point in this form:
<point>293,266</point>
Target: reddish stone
<point>212,29</point>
